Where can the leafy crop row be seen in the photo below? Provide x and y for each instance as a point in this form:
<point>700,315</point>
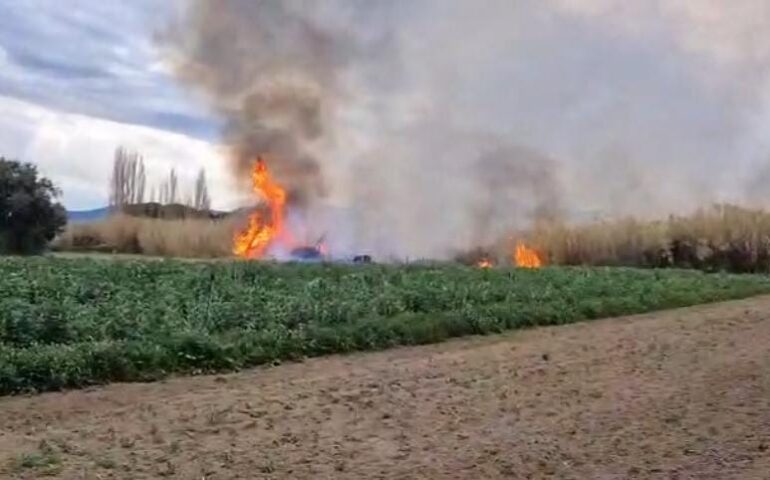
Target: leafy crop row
<point>68,323</point>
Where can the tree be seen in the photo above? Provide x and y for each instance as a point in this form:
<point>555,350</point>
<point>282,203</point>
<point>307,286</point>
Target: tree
<point>128,180</point>
<point>29,215</point>
<point>173,184</point>
<point>169,189</point>
<point>201,201</point>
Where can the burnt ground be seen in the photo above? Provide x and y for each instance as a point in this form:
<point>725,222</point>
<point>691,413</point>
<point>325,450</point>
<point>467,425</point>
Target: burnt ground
<point>682,394</point>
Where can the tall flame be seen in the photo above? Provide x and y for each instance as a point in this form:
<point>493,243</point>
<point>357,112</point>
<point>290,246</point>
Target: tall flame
<point>261,232</point>
<point>526,257</point>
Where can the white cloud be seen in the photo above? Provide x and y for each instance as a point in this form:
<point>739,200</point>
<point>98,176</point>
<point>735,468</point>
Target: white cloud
<point>103,56</point>
<point>76,151</point>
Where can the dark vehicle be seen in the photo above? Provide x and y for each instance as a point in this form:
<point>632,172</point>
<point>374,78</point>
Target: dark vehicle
<point>362,259</point>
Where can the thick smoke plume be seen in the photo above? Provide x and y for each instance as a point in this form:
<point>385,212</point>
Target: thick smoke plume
<point>272,73</point>
<point>436,125</point>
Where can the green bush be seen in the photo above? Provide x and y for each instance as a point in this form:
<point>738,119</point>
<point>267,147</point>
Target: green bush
<point>70,323</point>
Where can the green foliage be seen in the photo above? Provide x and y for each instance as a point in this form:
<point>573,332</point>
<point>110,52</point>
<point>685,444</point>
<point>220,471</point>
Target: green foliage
<point>69,323</point>
<point>29,215</point>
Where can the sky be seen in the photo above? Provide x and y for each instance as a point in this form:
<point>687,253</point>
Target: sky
<point>79,81</point>
<point>642,104</point>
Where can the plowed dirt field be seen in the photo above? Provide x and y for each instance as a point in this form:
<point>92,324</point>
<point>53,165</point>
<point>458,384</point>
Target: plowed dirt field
<point>680,394</point>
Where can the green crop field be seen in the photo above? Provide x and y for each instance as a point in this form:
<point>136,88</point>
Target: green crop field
<point>68,323</point>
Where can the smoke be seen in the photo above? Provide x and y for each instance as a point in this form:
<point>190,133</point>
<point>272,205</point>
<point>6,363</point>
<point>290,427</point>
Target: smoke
<point>436,125</point>
<point>272,73</point>
<point>516,184</point>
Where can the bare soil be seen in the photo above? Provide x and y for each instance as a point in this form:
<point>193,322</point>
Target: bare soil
<point>682,395</point>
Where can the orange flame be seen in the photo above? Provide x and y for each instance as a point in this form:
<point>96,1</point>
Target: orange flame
<point>254,240</point>
<point>485,263</point>
<point>526,257</point>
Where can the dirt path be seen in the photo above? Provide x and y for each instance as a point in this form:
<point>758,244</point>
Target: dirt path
<point>682,394</point>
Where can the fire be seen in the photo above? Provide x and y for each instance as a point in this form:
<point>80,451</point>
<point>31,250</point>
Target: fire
<point>485,263</point>
<point>526,257</point>
<point>262,230</point>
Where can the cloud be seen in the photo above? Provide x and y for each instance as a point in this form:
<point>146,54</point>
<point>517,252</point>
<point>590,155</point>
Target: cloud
<point>76,151</point>
<point>97,59</point>
<point>82,78</point>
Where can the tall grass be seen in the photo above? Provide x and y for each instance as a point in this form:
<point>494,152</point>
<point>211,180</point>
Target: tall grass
<point>187,238</point>
<point>723,237</point>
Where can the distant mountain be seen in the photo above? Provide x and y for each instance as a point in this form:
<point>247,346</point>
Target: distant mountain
<point>172,211</point>
<point>80,216</point>
<point>148,210</point>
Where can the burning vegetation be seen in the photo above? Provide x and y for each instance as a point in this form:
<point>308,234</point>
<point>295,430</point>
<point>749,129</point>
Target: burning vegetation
<point>264,228</point>
<point>485,263</point>
<point>521,256</point>
<point>720,238</point>
<point>525,257</point>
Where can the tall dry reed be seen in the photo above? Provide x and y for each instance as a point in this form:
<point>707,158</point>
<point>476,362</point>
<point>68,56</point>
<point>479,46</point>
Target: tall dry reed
<point>723,237</point>
<point>188,238</point>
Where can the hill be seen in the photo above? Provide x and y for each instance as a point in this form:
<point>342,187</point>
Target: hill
<point>82,216</point>
<point>147,210</point>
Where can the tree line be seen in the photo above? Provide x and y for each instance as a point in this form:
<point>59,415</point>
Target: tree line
<point>31,214</point>
<point>128,184</point>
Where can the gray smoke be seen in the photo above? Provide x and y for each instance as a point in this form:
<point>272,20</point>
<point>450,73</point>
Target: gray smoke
<point>272,72</point>
<point>435,125</point>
